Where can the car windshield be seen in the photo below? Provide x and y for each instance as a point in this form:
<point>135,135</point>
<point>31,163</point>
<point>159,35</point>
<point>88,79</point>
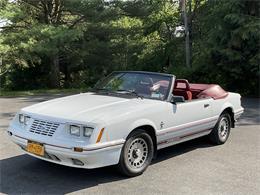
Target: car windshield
<point>145,85</point>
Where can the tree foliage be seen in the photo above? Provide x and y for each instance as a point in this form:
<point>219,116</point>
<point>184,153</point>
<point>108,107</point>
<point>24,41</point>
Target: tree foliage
<point>67,43</point>
<point>229,45</point>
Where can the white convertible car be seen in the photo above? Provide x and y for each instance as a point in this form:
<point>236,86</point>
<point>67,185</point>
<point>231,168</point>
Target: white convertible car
<point>125,120</point>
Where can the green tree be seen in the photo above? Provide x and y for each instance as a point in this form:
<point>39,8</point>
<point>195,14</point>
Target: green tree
<point>227,50</point>
<point>68,43</point>
<point>38,34</point>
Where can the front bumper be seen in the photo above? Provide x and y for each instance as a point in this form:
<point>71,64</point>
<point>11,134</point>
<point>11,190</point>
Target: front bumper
<point>98,155</point>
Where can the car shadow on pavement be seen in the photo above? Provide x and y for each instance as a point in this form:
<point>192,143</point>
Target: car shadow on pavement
<point>182,148</point>
<point>25,174</point>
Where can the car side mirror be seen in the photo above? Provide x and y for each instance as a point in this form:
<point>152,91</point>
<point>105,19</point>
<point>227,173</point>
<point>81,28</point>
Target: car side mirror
<point>176,99</point>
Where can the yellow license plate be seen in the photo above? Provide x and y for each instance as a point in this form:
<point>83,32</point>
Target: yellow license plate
<point>35,148</point>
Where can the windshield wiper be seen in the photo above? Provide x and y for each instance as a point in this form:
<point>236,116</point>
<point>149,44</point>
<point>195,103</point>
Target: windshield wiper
<point>102,90</point>
<point>130,92</point>
<point>119,90</point>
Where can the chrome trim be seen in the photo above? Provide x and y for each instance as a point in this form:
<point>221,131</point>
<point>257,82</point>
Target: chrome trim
<point>187,125</point>
<point>143,72</point>
<point>101,145</point>
<point>178,138</point>
<point>168,99</point>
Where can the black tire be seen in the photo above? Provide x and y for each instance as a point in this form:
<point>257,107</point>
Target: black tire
<point>221,131</point>
<point>137,153</point>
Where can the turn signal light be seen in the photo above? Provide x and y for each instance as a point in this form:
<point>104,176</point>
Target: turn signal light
<point>100,135</point>
<point>76,149</point>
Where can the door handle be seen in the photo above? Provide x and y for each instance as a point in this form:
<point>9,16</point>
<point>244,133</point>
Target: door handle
<point>206,105</point>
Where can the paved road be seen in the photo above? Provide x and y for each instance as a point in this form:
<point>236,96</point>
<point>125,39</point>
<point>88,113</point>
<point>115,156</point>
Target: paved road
<point>195,167</point>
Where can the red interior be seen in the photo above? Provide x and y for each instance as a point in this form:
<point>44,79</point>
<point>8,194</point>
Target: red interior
<point>197,91</point>
<point>182,88</point>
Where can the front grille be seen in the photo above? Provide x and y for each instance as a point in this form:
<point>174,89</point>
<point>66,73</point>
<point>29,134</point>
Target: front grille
<point>51,156</point>
<point>44,127</point>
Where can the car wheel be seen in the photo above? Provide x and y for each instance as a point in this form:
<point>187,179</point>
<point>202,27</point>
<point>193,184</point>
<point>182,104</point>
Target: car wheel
<point>136,154</point>
<point>221,131</point>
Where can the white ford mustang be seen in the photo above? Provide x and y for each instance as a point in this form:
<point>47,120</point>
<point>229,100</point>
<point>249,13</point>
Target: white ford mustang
<point>125,119</point>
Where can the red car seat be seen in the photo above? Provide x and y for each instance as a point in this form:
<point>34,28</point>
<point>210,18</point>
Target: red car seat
<point>182,88</point>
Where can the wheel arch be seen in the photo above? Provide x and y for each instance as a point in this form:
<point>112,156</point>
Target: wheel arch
<point>150,130</point>
<point>230,111</point>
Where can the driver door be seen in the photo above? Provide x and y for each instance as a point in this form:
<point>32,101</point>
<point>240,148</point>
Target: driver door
<point>185,120</point>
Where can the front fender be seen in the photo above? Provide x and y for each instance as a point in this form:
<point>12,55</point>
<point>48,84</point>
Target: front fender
<point>139,123</point>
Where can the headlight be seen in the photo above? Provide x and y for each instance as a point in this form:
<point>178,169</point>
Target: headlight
<point>21,118</point>
<point>87,131</point>
<point>75,130</point>
<point>26,120</point>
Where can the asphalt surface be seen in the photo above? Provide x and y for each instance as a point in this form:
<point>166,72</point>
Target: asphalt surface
<point>194,167</point>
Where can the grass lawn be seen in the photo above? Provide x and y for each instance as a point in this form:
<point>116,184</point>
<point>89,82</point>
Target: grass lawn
<point>4,93</point>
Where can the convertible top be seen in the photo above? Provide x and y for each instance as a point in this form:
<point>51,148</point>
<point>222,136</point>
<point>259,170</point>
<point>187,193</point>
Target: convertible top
<point>190,91</point>
<point>209,90</point>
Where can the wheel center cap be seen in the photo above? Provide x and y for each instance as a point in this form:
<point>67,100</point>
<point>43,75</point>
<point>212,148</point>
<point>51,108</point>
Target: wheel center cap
<point>136,153</point>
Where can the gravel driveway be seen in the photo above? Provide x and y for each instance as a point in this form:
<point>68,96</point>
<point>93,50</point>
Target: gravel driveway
<point>194,167</point>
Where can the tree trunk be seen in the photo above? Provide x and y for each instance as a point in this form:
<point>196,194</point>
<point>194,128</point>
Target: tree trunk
<point>190,20</point>
<point>55,72</point>
<point>187,33</point>
<point>52,14</point>
<point>67,77</point>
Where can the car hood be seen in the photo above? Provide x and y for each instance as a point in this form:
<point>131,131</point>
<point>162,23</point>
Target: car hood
<point>88,107</point>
